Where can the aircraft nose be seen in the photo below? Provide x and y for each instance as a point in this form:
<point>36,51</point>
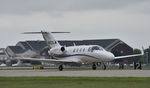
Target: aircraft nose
<point>108,56</point>
<point>111,56</point>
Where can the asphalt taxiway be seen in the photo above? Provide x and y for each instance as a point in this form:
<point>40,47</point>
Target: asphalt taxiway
<point>84,73</point>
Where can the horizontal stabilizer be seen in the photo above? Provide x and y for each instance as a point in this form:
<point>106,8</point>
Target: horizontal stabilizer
<point>42,32</point>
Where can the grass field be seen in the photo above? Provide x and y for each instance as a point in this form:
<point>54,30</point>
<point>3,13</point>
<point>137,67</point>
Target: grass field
<point>74,82</point>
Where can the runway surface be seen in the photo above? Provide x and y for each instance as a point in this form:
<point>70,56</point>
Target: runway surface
<point>84,73</point>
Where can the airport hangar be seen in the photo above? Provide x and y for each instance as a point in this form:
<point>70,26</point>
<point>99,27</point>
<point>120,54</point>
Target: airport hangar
<point>39,48</point>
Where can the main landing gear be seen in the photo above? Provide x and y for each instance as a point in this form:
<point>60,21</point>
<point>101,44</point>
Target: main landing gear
<point>103,66</point>
<point>60,67</point>
<point>94,66</point>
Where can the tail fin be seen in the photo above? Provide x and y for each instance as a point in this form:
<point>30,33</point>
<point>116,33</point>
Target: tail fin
<point>50,40</point>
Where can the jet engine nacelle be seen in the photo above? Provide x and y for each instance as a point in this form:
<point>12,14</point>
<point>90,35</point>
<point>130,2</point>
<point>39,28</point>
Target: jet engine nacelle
<point>62,49</point>
<point>58,51</point>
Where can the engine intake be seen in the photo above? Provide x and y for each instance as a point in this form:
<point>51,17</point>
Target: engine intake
<point>62,49</point>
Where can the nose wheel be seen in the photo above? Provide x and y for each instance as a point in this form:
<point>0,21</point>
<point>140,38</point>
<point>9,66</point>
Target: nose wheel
<point>94,66</point>
<point>104,66</point>
<point>60,68</point>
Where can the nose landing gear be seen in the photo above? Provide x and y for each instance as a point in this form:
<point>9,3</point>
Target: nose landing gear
<point>103,66</point>
<point>94,66</point>
<point>60,68</point>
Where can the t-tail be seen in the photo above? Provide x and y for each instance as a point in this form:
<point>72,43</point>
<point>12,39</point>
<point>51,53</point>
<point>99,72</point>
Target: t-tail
<point>50,40</point>
<point>48,37</point>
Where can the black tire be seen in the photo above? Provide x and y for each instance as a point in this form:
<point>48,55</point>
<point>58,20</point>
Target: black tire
<point>104,67</point>
<point>60,68</point>
<point>94,66</point>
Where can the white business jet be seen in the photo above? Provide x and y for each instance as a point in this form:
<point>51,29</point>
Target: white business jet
<point>74,54</point>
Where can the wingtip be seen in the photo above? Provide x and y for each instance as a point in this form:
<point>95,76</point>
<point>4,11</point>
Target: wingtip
<point>142,52</point>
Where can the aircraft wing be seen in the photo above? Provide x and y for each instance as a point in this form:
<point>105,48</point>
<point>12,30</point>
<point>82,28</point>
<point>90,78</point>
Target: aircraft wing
<point>62,60</point>
<point>128,56</point>
<point>136,55</point>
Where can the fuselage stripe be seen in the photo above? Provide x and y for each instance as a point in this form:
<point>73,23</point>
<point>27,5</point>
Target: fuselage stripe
<point>77,55</point>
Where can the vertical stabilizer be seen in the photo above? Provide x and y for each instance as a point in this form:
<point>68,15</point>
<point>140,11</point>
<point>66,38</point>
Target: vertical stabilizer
<point>50,40</point>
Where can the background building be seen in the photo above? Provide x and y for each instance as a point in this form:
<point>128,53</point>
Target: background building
<point>2,55</point>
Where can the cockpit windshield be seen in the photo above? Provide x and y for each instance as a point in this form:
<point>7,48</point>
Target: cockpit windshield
<point>96,48</point>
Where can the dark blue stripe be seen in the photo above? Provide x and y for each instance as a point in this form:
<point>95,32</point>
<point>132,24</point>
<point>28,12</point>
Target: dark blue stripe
<point>77,55</point>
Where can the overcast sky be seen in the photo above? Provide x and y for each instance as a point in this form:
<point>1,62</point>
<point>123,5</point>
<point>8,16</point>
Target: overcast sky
<point>128,20</point>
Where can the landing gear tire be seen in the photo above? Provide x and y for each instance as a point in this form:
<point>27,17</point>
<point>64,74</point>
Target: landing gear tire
<point>60,68</point>
<point>94,66</point>
<point>104,67</point>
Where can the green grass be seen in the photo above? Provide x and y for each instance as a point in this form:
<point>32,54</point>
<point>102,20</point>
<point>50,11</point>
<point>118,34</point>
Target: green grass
<point>74,82</point>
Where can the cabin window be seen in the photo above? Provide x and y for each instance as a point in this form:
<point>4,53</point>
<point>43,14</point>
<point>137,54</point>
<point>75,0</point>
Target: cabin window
<point>74,50</point>
<point>77,50</point>
<point>83,49</point>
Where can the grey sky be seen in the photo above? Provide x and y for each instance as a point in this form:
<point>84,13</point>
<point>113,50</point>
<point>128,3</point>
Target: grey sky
<point>128,20</point>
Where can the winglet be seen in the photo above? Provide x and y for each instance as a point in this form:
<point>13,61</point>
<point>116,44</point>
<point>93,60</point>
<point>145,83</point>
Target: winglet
<point>142,52</point>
